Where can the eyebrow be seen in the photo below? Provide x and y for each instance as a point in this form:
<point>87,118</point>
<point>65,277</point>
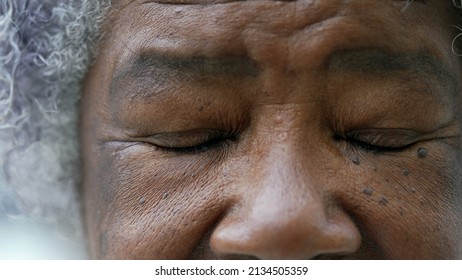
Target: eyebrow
<point>378,61</point>
<point>201,2</point>
<point>163,67</point>
<point>149,63</point>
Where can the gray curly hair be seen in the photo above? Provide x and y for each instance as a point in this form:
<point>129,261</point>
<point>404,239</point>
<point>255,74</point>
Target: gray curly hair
<point>46,47</point>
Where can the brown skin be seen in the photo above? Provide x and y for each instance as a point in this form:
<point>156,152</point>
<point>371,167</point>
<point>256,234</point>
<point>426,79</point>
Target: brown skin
<point>274,130</point>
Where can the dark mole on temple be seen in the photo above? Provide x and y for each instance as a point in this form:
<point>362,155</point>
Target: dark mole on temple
<point>422,152</point>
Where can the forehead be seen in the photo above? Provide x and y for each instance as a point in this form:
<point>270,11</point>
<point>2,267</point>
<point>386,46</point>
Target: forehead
<point>212,26</point>
<point>282,17</point>
<point>402,4</point>
<point>338,5</point>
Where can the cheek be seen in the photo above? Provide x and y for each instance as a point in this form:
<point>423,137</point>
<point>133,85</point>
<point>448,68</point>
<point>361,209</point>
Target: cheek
<point>408,206</point>
<point>156,207</point>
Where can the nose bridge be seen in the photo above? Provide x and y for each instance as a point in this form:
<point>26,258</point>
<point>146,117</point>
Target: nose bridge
<point>286,194</point>
<point>286,157</point>
<point>286,182</point>
<point>287,202</point>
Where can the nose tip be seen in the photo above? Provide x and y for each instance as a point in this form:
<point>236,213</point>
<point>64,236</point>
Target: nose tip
<point>285,234</point>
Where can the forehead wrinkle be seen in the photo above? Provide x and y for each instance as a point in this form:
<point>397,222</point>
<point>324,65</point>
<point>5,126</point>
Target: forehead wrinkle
<point>212,2</point>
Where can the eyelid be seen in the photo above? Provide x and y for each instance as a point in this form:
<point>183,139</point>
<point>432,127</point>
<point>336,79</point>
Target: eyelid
<point>388,138</point>
<point>191,142</point>
<point>185,139</point>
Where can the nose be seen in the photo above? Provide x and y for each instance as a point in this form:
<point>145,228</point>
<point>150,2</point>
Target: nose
<point>284,214</point>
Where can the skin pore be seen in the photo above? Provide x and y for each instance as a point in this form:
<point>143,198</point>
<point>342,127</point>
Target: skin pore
<point>274,130</point>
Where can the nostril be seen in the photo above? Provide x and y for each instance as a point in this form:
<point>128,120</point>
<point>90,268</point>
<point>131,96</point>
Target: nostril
<point>250,239</point>
<point>238,257</point>
<point>332,257</point>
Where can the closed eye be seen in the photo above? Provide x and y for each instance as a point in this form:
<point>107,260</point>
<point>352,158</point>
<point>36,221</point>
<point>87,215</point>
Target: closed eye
<point>377,149</point>
<point>191,142</point>
<point>380,140</point>
<point>212,144</point>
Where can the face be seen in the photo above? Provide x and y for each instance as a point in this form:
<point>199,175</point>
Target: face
<point>274,130</point>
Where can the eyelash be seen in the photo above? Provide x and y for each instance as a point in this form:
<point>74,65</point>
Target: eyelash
<point>376,149</point>
<point>370,148</point>
<point>220,142</point>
